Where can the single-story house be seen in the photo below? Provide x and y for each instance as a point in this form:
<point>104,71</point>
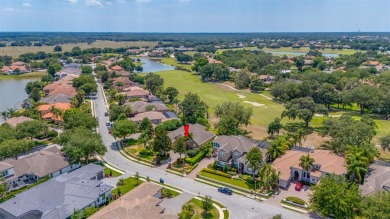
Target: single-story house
<point>141,202</point>
<point>157,53</point>
<point>377,178</point>
<point>232,150</point>
<point>267,78</point>
<point>68,71</point>
<point>65,83</point>
<point>141,107</point>
<point>197,132</point>
<point>29,168</point>
<point>59,197</point>
<point>14,121</point>
<point>56,98</point>
<point>325,162</point>
<point>116,68</point>
<point>121,83</point>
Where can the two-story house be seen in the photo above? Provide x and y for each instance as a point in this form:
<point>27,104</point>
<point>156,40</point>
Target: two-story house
<point>232,150</point>
<point>198,135</point>
<point>325,162</point>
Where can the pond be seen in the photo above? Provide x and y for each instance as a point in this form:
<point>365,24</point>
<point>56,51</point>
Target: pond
<point>154,66</point>
<point>300,54</point>
<point>12,93</point>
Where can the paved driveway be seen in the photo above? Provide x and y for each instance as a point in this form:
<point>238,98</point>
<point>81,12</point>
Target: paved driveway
<point>174,205</point>
<point>304,194</point>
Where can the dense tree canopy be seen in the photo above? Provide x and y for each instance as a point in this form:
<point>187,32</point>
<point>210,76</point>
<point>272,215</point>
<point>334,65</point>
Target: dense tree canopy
<point>192,108</point>
<point>74,118</point>
<point>231,116</point>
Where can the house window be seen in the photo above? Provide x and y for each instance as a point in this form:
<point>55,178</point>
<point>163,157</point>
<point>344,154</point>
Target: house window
<point>222,154</point>
<point>5,173</point>
<point>308,175</point>
<point>237,154</point>
<point>235,164</point>
<point>304,174</point>
<point>313,179</point>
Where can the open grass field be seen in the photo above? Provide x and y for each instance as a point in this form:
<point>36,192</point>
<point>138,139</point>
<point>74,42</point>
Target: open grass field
<point>307,49</point>
<point>219,51</point>
<point>173,62</point>
<point>198,211</point>
<point>23,76</point>
<point>15,51</point>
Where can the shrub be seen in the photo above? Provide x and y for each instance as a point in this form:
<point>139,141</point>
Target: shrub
<point>215,165</point>
<point>296,200</point>
<point>144,152</point>
<point>232,173</point>
<point>196,159</point>
<point>182,68</point>
<point>52,134</point>
<point>191,168</point>
<point>216,172</point>
<point>234,170</point>
<point>192,153</point>
<point>225,168</point>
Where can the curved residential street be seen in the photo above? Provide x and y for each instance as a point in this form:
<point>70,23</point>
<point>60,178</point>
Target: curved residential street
<point>238,206</point>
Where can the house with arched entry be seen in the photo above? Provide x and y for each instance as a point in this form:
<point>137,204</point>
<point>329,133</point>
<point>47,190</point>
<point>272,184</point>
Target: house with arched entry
<point>325,162</point>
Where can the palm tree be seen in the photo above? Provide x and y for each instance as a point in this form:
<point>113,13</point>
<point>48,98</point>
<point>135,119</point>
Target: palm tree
<point>121,99</point>
<point>4,115</point>
<point>306,162</point>
<point>275,150</point>
<point>128,111</point>
<point>301,135</point>
<point>11,112</point>
<point>357,162</point>
<point>56,113</point>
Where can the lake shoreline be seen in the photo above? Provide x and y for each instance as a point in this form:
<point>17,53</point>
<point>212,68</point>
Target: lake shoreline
<point>31,75</point>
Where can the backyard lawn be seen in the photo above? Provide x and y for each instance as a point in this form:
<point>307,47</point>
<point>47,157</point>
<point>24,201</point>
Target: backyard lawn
<point>114,173</point>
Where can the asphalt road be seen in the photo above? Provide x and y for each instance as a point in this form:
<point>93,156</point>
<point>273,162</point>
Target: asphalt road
<point>238,206</point>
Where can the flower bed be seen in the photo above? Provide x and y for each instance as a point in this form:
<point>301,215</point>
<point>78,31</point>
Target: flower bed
<point>295,201</point>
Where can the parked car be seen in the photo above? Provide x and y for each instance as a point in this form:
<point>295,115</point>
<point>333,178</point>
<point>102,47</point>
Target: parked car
<point>106,114</point>
<point>299,186</point>
<point>108,123</point>
<point>225,191</point>
<point>162,180</point>
<point>109,131</point>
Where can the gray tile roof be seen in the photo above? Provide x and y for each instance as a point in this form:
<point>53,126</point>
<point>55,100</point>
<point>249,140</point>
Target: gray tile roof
<point>140,106</point>
<point>58,197</point>
<point>240,143</point>
<point>56,98</point>
<point>200,135</point>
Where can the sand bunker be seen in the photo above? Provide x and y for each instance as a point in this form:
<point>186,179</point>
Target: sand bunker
<point>254,103</point>
<point>240,96</point>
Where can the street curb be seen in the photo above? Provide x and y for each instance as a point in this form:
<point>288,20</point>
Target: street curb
<point>294,209</point>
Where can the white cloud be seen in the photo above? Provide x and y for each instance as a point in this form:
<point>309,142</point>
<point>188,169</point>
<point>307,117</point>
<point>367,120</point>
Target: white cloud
<point>9,9</point>
<point>26,4</point>
<point>94,3</point>
<point>109,3</point>
<point>73,1</point>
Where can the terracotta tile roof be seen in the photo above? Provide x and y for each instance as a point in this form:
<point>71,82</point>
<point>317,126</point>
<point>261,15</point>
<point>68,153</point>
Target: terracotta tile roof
<point>151,115</point>
<point>21,68</point>
<point>329,162</point>
<point>63,89</point>
<point>14,121</point>
<point>116,68</point>
<point>61,106</point>
<point>135,92</point>
<point>5,69</point>
<point>19,63</point>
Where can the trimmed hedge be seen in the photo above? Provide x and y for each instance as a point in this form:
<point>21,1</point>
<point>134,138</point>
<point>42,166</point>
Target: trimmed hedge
<point>296,200</point>
<point>189,170</point>
<point>196,159</point>
<point>216,172</point>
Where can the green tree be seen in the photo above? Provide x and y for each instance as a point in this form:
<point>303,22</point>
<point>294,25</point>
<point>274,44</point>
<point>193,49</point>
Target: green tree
<point>81,144</point>
<point>86,69</point>
<point>242,80</point>
<point>306,162</point>
<point>162,143</point>
<point>385,142</point>
<point>232,115</point>
<point>74,118</point>
<point>335,197</point>
<point>78,100</point>
<point>327,94</point>
<point>277,148</point>
<point>214,72</point>
<point>32,129</point>
<point>199,63</point>
<point>57,49</point>
<point>13,148</point>
<point>357,163</point>
<point>301,135</point>
<point>171,93</point>
<point>364,95</point>
<point>192,108</point>
<point>207,205</point>
<point>115,111</point>
<point>187,212</point>
<point>153,82</point>
<point>180,146</point>
<point>268,176</point>
<point>303,108</point>
<point>275,126</point>
<point>376,206</point>
<point>255,159</point>
<point>123,128</point>
<point>52,69</point>
<point>146,125</point>
<point>121,99</point>
<point>256,85</point>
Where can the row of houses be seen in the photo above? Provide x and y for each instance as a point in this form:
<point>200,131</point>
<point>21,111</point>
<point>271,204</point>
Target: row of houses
<point>15,67</point>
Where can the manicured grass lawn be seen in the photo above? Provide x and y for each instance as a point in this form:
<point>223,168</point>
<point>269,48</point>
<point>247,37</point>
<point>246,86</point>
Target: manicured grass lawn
<point>198,211</point>
<point>23,76</point>
<point>173,62</point>
<point>213,94</point>
<point>114,173</point>
<point>165,192</point>
<point>307,49</point>
<point>236,182</point>
<point>130,183</point>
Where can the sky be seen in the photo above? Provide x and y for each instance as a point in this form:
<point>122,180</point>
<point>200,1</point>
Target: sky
<point>195,15</point>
